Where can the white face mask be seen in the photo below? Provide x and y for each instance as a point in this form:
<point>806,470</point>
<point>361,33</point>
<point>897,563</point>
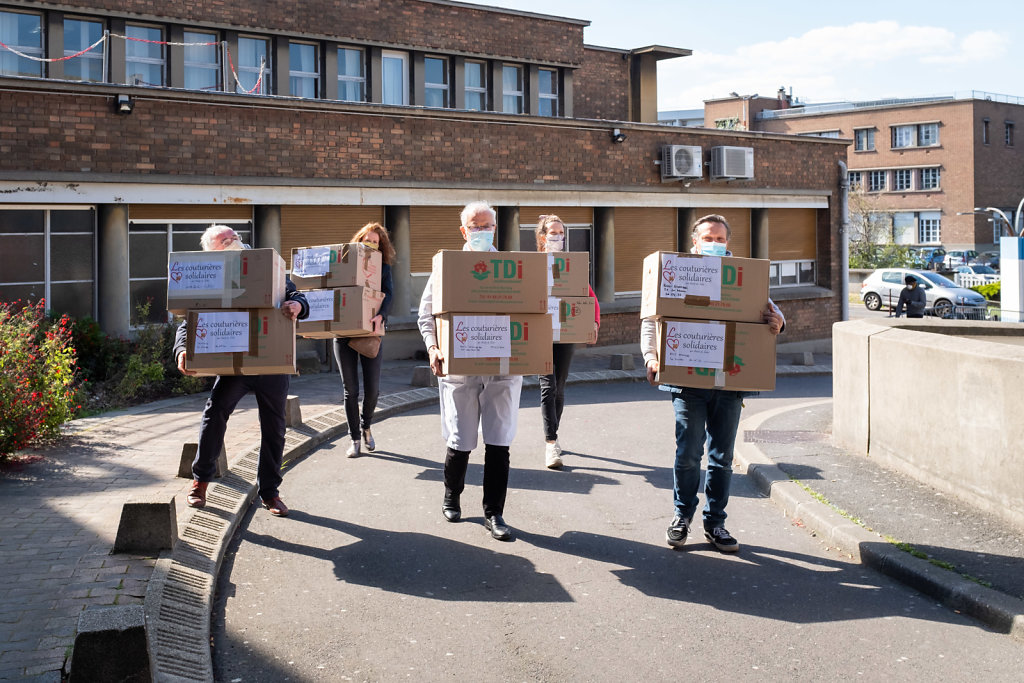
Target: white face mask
<point>235,246</point>
<point>713,248</point>
<point>481,241</point>
<point>554,243</point>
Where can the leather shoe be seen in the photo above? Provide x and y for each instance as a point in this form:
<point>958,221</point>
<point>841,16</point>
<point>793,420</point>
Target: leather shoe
<point>196,497</point>
<point>276,506</point>
<point>496,525</point>
<point>451,509</point>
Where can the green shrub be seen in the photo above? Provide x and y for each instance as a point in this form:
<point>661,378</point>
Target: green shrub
<point>870,255</point>
<point>990,291</point>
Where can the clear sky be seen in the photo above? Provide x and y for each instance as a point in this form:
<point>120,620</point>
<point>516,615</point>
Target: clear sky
<point>824,51</point>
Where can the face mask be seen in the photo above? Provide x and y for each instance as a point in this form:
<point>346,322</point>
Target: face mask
<point>235,246</point>
<point>713,248</point>
<point>481,241</point>
<point>554,243</point>
<point>371,245</point>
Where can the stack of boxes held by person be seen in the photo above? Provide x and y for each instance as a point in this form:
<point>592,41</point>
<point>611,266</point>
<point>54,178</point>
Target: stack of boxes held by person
<point>491,314</point>
<point>342,286</point>
<point>570,304</point>
<point>708,311</point>
<point>230,301</point>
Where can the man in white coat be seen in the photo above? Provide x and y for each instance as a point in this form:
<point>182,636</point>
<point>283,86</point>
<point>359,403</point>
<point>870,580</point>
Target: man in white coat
<point>489,403</point>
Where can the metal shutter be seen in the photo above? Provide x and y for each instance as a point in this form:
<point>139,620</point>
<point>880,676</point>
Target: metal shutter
<point>432,228</point>
<point>309,226</point>
<point>792,234</point>
<point>638,232</point>
<point>739,224</point>
<point>189,212</point>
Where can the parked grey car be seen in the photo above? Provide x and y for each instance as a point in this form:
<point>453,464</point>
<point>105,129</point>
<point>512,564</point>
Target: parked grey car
<point>945,299</point>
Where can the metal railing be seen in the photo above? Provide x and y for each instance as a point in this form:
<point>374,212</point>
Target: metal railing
<point>829,107</point>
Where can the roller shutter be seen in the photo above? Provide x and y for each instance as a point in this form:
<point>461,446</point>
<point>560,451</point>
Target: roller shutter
<point>189,212</point>
<point>307,226</point>
<point>638,232</point>
<point>432,228</point>
<point>792,234</point>
<point>739,224</point>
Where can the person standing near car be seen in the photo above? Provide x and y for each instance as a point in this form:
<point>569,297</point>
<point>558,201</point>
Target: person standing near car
<point>912,299</point>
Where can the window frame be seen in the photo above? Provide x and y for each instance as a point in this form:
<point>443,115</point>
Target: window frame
<point>254,70</point>
<point>475,90</point>
<point>855,184</point>
<point>902,179</point>
<point>87,57</point>
<point>549,97</point>
<point>345,80</point>
<point>925,184</point>
<point>864,140</point>
<point>32,50</point>
<point>878,187</point>
<point>518,96</point>
<point>430,87</point>
<point>1008,133</point>
<point>402,57</point>
<point>804,272</point>
<point>216,66</point>
<point>149,61</point>
<point>296,76</point>
<point>929,229</point>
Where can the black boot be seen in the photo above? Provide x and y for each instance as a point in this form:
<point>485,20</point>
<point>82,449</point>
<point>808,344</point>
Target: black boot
<point>495,480</point>
<point>455,464</point>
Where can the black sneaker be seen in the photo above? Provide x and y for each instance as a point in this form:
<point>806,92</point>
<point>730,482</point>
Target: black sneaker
<point>677,532</point>
<point>722,539</point>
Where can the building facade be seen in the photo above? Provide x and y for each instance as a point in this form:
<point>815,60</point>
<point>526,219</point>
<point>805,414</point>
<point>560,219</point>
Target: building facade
<point>127,127</point>
<point>927,162</point>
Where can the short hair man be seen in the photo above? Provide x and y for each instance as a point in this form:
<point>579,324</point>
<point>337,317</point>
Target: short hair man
<point>469,403</point>
<point>912,299</point>
<point>271,396</point>
<point>711,415</point>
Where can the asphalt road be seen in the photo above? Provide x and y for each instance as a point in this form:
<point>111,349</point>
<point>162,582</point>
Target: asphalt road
<point>366,581</point>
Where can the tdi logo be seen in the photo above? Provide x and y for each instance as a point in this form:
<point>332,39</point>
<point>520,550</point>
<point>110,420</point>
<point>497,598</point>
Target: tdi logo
<point>520,331</point>
<point>737,368</point>
<point>732,275</point>
<point>499,269</point>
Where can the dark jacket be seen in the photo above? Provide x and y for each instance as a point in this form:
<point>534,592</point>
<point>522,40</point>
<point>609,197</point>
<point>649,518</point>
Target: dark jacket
<point>387,285</point>
<point>914,300</point>
<point>291,293</point>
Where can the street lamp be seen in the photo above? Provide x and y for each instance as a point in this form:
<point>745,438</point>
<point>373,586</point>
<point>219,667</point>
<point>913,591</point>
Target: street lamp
<point>1016,218</point>
<point>994,210</point>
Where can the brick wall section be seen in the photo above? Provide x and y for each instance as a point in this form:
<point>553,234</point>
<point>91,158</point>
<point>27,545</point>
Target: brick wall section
<point>619,328</point>
<point>393,22</point>
<point>601,86</point>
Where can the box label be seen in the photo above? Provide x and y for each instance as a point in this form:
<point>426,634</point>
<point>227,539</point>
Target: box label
<point>198,276</point>
<point>482,336</point>
<point>321,305</point>
<point>691,276</point>
<point>699,345</point>
<point>220,332</point>
<point>311,262</point>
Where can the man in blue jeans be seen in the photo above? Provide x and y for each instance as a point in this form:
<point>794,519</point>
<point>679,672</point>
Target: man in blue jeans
<point>703,415</point>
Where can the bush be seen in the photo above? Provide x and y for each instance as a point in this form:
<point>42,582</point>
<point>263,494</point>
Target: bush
<point>37,376</point>
<point>870,255</point>
<point>991,291</point>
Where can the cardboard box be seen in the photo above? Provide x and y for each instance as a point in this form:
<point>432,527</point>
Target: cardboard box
<point>570,273</point>
<point>572,319</point>
<point>478,344</point>
<point>490,282</point>
<point>341,312</point>
<point>254,341</point>
<point>704,287</point>
<point>711,354</point>
<point>336,265</point>
<point>251,278</point>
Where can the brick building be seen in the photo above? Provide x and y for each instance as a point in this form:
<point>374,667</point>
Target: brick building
<point>296,123</point>
<point>923,160</point>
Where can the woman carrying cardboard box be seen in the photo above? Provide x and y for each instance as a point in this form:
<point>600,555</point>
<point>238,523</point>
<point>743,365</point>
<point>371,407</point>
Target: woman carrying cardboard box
<point>372,235</point>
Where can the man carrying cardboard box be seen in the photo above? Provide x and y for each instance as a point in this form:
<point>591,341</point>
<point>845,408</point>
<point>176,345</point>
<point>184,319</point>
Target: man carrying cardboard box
<point>271,395</point>
<point>703,414</point>
<point>490,402</point>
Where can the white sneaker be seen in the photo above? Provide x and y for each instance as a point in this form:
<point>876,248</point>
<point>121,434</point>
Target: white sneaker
<point>354,450</point>
<point>552,456</point>
<point>371,445</point>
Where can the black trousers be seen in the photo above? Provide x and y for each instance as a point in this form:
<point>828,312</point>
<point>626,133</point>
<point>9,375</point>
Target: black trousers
<point>349,361</point>
<point>552,389</point>
<point>271,395</point>
<point>496,466</point>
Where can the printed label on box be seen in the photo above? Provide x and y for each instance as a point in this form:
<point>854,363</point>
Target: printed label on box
<point>697,345</point>
<point>553,304</point>
<point>482,336</point>
<point>220,332</point>
<point>321,305</point>
<point>188,277</point>
<point>311,262</point>
<point>691,276</point>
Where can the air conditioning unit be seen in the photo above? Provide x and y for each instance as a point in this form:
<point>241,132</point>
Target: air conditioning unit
<point>681,161</point>
<point>732,162</point>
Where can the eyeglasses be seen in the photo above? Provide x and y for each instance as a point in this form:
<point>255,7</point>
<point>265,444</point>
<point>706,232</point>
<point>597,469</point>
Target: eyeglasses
<point>481,228</point>
<point>228,239</point>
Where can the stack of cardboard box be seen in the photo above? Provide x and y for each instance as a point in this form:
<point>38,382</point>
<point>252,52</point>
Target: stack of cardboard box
<point>570,304</point>
<point>230,301</point>
<point>491,312</point>
<point>708,310</point>
<point>342,285</point>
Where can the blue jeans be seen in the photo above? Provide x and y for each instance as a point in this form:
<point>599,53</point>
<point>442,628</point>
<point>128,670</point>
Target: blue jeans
<point>712,416</point>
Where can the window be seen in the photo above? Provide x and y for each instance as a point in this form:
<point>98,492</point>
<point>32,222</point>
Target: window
<point>915,135</point>
<point>351,75</point>
<point>303,73</point>
<point>202,61</point>
<point>864,140</point>
<point>902,136</point>
<point>929,178</point>
<point>512,89</point>
<point>1009,133</point>
<point>253,66</point>
<point>928,227</point>
<point>902,179</point>
<point>79,34</point>
<point>49,254</point>
<point>876,181</point>
<point>435,74</point>
<point>547,92</point>
<point>856,180</point>
<point>476,86</point>
<point>821,134</point>
<point>791,273</point>
<point>395,73</point>
<point>24,33</point>
<point>144,56</point>
<point>984,131</point>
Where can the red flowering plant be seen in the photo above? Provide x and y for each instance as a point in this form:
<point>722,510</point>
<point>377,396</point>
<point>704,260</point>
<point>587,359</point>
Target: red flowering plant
<point>37,376</point>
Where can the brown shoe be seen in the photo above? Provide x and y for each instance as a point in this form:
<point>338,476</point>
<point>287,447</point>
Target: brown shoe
<point>197,494</point>
<point>276,506</point>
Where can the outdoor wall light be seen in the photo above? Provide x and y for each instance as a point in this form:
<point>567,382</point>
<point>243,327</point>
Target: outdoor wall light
<point>618,136</point>
<point>123,104</point>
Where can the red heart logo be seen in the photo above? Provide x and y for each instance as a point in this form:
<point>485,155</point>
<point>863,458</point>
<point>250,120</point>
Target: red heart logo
<point>462,337</point>
<point>201,332</point>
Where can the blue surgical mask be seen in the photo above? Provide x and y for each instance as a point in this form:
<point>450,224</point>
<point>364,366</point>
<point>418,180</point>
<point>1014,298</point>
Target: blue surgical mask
<point>713,248</point>
<point>482,240</point>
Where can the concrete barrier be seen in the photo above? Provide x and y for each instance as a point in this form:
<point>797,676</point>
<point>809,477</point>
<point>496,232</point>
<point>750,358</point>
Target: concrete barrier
<point>292,412</point>
<point>188,456</point>
<point>938,400</point>
<point>148,524</point>
<point>621,361</point>
<point>111,645</point>
<point>423,377</point>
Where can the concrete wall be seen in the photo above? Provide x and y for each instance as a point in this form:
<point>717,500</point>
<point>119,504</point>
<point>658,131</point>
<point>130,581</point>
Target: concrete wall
<point>937,400</point>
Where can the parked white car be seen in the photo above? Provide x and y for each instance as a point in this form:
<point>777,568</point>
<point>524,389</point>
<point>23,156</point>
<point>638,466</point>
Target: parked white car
<point>972,276</point>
